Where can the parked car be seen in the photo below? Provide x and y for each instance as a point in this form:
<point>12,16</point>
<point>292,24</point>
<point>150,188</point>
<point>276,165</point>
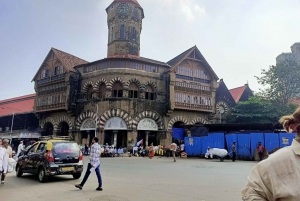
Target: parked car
<point>50,157</point>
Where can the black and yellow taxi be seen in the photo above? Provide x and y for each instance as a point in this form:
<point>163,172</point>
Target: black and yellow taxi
<point>51,156</point>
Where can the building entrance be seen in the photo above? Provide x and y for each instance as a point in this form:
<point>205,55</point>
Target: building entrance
<point>115,132</point>
<point>147,131</point>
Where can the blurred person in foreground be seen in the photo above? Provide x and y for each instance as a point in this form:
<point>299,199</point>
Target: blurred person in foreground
<point>3,159</point>
<point>5,144</point>
<point>277,177</point>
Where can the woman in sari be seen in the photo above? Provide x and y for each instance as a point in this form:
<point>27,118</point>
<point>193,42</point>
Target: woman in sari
<point>151,151</point>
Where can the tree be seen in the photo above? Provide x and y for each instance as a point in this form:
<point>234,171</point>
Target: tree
<point>282,82</point>
<point>259,110</point>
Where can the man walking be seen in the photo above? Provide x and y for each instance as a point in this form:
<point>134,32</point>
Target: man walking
<point>5,144</point>
<point>233,149</point>
<point>173,148</point>
<point>260,149</point>
<point>94,165</point>
<point>3,160</point>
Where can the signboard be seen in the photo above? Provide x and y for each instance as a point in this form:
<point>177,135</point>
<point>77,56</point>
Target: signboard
<point>115,123</point>
<point>147,124</point>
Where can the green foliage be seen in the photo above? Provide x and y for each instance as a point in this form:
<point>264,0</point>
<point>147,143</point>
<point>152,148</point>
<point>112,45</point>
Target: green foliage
<point>259,110</point>
<point>281,82</point>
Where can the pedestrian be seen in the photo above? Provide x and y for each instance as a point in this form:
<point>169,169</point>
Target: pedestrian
<point>151,151</point>
<point>181,148</point>
<point>278,176</point>
<point>173,148</point>
<point>260,149</point>
<point>8,155</point>
<point>20,148</point>
<point>3,160</point>
<point>93,165</point>
<point>233,149</point>
<point>208,154</point>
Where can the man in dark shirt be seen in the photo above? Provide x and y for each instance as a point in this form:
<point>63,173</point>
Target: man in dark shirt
<point>233,149</point>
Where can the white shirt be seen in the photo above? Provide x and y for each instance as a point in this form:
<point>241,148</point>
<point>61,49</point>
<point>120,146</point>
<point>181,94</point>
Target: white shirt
<point>3,160</point>
<point>173,147</point>
<point>20,148</point>
<point>182,147</point>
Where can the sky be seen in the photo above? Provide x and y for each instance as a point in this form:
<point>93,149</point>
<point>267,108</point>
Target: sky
<point>237,38</point>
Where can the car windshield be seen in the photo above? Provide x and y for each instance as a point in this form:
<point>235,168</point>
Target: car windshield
<point>65,147</point>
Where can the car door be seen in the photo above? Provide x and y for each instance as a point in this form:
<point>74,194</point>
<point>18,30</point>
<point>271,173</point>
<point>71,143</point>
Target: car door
<point>39,156</point>
<point>30,157</point>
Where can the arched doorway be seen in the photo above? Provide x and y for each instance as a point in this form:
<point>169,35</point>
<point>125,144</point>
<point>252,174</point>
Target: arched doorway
<point>147,131</point>
<point>47,129</point>
<point>87,129</point>
<point>115,132</point>
<point>63,129</point>
<point>178,132</point>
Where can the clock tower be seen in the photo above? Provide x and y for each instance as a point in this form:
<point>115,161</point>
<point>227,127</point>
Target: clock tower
<point>124,20</point>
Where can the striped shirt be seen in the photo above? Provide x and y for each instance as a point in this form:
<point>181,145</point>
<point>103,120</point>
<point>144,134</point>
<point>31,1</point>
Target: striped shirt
<point>95,154</point>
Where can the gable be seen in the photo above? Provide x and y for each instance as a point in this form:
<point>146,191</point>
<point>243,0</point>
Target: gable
<point>222,93</point>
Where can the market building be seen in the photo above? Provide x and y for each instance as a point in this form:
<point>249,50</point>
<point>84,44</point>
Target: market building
<point>124,97</point>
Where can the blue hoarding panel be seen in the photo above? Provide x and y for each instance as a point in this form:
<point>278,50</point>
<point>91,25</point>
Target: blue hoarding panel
<point>255,138</point>
<point>230,138</point>
<point>178,133</point>
<point>271,141</point>
<point>205,143</point>
<point>285,139</point>
<point>217,140</point>
<point>243,146</point>
<point>193,146</point>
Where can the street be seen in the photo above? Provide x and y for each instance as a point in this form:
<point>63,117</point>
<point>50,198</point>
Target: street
<point>138,178</point>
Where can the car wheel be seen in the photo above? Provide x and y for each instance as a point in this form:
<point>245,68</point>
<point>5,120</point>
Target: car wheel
<point>42,175</point>
<point>19,171</point>
<point>76,175</point>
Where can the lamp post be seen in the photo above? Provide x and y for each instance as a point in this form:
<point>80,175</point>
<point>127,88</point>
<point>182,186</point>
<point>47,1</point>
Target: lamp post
<point>12,122</point>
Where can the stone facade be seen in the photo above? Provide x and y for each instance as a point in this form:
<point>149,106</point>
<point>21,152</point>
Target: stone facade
<point>125,98</point>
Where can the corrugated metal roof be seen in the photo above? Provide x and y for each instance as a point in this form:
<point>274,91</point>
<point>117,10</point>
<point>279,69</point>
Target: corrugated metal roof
<point>18,105</point>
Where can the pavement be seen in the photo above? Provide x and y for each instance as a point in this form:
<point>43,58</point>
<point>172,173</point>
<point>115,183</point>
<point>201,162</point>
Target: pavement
<point>136,179</point>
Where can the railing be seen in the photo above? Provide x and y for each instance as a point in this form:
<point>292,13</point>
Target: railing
<point>51,79</point>
<point>190,106</point>
<point>52,106</point>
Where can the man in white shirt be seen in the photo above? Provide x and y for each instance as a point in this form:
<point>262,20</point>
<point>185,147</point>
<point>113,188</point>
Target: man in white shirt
<point>181,148</point>
<point>8,154</point>
<point>3,159</point>
<point>94,164</point>
<point>173,148</point>
<point>20,148</point>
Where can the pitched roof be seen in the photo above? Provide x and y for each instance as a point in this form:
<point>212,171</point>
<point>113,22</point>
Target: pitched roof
<point>237,92</point>
<point>18,105</point>
<point>67,60</point>
<point>177,60</point>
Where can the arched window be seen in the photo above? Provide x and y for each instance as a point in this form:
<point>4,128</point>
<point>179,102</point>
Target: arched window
<point>149,93</point>
<point>89,94</point>
<point>102,91</point>
<point>133,91</point>
<point>117,90</point>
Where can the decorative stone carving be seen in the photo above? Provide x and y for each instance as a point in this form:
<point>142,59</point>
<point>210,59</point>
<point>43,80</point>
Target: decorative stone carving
<point>147,124</point>
<point>115,123</point>
<point>88,124</point>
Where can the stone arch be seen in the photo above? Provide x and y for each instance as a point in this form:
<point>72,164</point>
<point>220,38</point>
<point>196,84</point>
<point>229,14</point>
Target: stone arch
<point>175,119</point>
<point>135,81</point>
<point>114,80</point>
<point>86,86</point>
<point>49,120</point>
<point>85,115</point>
<point>98,83</point>
<point>198,120</point>
<point>152,84</point>
<point>226,99</point>
<point>115,113</point>
<point>149,114</point>
<point>67,120</point>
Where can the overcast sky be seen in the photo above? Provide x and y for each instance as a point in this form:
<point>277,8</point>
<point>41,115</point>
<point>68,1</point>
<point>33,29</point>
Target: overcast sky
<point>237,38</point>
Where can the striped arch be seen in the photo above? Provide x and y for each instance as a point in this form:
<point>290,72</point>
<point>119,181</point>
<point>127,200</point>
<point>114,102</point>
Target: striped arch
<point>114,80</point>
<point>175,119</point>
<point>115,113</point>
<point>137,82</point>
<point>152,84</point>
<point>49,120</point>
<point>86,86</point>
<point>67,120</point>
<point>198,120</point>
<point>224,98</point>
<point>148,114</point>
<point>98,83</point>
<point>86,115</point>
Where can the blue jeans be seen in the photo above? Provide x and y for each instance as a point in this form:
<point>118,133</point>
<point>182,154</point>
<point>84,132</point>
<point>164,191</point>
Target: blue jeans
<point>88,172</point>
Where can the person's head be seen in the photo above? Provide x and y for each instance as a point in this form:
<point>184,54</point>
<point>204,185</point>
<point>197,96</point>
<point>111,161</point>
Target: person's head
<point>5,143</point>
<point>21,142</point>
<point>95,140</point>
<point>259,143</point>
<point>208,148</point>
<point>291,122</point>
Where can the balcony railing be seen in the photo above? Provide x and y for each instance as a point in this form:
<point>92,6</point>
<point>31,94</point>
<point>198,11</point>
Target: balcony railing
<point>51,79</point>
<point>189,106</point>
<point>51,107</point>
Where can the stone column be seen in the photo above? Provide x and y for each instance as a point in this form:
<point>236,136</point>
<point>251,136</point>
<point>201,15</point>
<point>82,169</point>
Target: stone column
<point>131,138</point>
<point>147,137</point>
<point>115,137</point>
